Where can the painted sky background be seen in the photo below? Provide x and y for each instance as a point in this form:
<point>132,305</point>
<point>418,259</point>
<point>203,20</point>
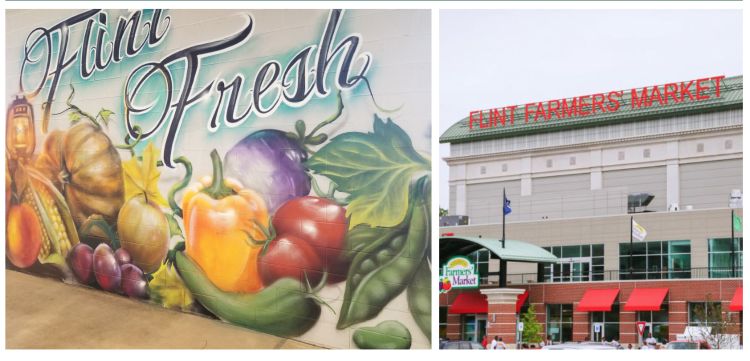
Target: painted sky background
<point>493,58</point>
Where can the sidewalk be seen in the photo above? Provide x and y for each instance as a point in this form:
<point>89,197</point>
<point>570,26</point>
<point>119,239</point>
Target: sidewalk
<point>45,313</point>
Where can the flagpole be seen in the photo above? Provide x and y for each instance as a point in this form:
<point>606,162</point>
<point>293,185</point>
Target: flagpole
<point>503,211</point>
<point>631,247</point>
<point>733,264</point>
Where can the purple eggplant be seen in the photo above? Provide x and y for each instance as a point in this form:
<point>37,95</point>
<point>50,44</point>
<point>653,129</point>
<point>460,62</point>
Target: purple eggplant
<point>270,163</point>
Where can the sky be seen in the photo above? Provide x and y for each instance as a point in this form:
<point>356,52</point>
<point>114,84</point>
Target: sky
<point>493,58</point>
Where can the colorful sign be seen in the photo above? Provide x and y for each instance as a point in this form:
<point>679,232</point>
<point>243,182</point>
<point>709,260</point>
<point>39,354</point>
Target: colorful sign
<point>641,327</point>
<point>600,103</point>
<point>171,156</point>
<point>459,272</point>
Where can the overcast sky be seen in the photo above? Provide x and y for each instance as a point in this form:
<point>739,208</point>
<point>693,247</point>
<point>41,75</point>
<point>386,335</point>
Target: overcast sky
<point>493,58</point>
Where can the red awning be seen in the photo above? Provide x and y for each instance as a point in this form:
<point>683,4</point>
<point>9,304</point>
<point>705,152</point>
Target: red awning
<point>521,300</point>
<point>469,302</point>
<point>646,299</point>
<point>736,304</point>
<point>598,300</point>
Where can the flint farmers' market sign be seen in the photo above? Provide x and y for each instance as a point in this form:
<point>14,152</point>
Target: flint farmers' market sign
<point>461,273</point>
<point>600,103</point>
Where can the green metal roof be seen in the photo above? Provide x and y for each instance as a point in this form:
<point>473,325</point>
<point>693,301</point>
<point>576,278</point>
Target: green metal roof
<point>514,251</point>
<point>731,98</point>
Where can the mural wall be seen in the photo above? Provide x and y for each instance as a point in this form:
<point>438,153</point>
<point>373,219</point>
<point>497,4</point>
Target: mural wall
<point>267,168</point>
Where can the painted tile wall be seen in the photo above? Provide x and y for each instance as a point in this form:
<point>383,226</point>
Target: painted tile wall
<point>343,207</point>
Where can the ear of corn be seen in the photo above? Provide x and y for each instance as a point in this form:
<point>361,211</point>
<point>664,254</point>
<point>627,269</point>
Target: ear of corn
<point>58,230</point>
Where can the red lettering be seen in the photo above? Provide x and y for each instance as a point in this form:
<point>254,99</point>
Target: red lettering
<point>582,104</point>
<point>494,117</point>
<point>655,95</point>
<point>512,110</point>
<point>636,101</point>
<point>685,89</point>
<point>553,109</point>
<point>598,102</point>
<point>672,92</point>
<point>472,119</point>
<point>540,109</point>
<point>699,89</point>
<point>717,84</point>
<point>614,100</point>
<point>571,111</point>
<point>526,112</point>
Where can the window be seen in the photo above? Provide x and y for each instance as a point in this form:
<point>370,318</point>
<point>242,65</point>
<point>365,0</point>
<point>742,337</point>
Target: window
<point>647,153</point>
<point>468,328</point>
<point>572,160</point>
<point>443,322</point>
<point>549,163</point>
<point>620,155</point>
<point>560,322</point>
<point>481,259</point>
<point>655,260</point>
<point>704,313</point>
<point>720,257</point>
<point>657,322</point>
<point>577,263</point>
<point>610,324</point>
<point>482,170</point>
<point>505,167</point>
<point>699,148</point>
<point>728,144</point>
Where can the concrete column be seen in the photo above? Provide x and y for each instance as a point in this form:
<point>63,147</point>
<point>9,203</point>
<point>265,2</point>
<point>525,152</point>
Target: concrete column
<point>501,313</point>
<point>461,199</point>
<point>673,182</point>
<point>596,169</point>
<point>526,176</point>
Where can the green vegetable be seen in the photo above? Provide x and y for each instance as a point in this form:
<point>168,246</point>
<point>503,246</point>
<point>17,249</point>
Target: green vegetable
<point>376,170</point>
<point>386,265</point>
<point>420,298</point>
<point>283,308</point>
<point>386,335</point>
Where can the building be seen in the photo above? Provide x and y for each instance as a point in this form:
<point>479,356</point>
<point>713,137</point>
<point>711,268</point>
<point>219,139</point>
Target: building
<point>575,178</point>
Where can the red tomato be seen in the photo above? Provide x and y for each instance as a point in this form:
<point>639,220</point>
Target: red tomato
<point>322,224</point>
<point>290,256</point>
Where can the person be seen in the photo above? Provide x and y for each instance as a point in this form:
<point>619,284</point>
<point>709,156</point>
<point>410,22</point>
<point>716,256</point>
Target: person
<point>650,341</point>
<point>493,345</point>
<point>549,341</point>
<point>500,344</point>
<point>630,346</point>
<point>484,342</point>
<point>615,343</point>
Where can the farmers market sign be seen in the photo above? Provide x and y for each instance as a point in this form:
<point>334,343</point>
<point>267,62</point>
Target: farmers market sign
<point>97,42</point>
<point>600,103</point>
<point>459,272</point>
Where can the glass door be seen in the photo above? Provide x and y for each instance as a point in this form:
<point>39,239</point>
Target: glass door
<point>481,327</point>
<point>571,269</point>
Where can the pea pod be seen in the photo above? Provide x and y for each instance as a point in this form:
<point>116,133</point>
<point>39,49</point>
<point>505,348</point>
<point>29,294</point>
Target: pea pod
<point>386,335</point>
<point>284,308</point>
<point>387,265</point>
<point>420,298</point>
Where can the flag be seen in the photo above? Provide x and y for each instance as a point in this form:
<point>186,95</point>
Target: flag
<point>639,232</point>
<point>506,206</point>
<point>737,223</point>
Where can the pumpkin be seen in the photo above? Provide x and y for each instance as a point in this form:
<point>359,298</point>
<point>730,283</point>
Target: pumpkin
<point>85,166</point>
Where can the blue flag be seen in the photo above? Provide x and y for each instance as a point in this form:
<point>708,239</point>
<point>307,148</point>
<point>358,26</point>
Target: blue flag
<point>506,206</point>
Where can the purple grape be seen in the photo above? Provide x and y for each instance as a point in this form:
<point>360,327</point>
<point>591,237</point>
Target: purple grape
<point>81,259</point>
<point>133,282</point>
<point>122,256</point>
<point>270,163</point>
<point>106,269</point>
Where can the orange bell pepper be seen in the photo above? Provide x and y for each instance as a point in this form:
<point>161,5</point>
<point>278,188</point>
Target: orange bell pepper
<point>223,227</point>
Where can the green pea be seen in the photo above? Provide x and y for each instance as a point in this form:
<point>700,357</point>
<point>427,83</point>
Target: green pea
<point>386,335</point>
<point>420,298</point>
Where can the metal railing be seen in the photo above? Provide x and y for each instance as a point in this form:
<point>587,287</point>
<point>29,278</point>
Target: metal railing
<point>616,275</point>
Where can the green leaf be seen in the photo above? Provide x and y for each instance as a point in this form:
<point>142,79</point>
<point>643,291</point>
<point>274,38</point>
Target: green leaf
<point>106,114</point>
<point>74,116</point>
<point>174,226</point>
<point>375,169</point>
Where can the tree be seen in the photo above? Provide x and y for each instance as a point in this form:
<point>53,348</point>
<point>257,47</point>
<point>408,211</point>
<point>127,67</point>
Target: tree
<point>443,212</point>
<point>713,326</point>
<point>532,329</point>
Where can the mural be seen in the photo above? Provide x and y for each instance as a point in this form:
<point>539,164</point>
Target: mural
<point>267,168</point>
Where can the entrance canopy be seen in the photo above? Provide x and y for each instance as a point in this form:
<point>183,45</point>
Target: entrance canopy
<point>598,300</point>
<point>736,304</point>
<point>646,299</point>
<point>476,302</point>
<point>514,251</point>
